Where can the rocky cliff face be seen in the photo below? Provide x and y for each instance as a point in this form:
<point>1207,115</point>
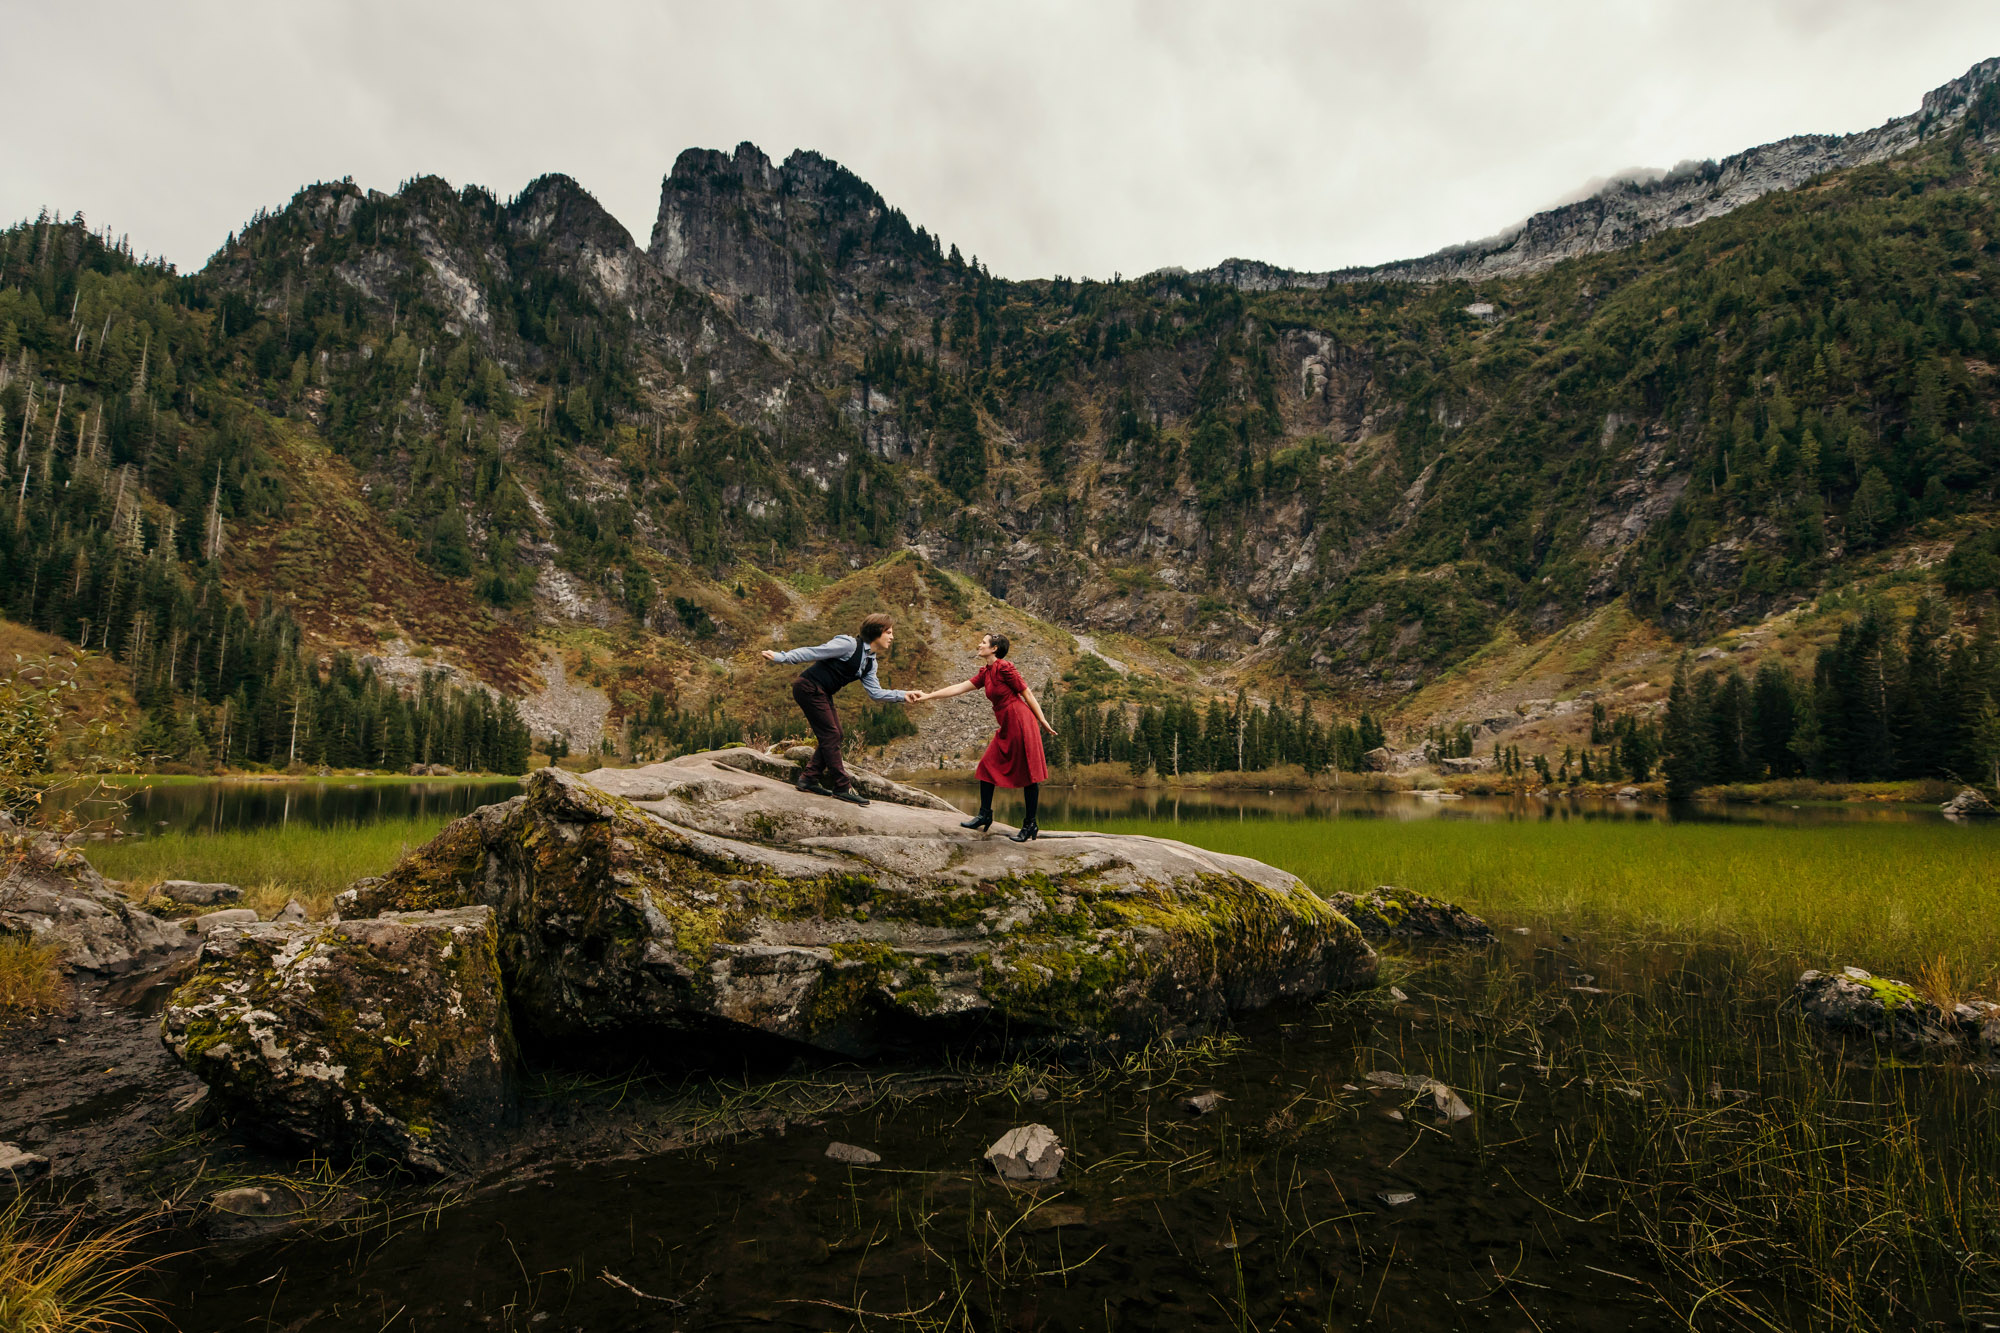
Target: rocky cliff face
<point>1626,212</point>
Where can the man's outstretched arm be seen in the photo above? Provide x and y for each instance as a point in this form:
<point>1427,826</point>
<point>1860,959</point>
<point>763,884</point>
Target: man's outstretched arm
<point>840,645</point>
<point>875,690</point>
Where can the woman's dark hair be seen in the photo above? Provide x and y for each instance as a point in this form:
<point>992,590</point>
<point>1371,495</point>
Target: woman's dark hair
<point>1001,643</point>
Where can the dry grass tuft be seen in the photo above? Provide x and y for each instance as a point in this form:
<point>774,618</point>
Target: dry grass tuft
<point>62,1280</point>
<point>31,980</point>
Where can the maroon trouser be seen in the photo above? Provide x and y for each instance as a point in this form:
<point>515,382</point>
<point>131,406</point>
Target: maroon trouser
<point>824,719</point>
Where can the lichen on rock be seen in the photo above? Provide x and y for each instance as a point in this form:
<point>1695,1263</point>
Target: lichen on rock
<point>386,1037</point>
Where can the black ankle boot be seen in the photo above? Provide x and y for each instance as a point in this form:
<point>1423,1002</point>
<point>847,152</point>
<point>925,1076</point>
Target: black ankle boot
<point>1026,833</point>
<point>982,820</point>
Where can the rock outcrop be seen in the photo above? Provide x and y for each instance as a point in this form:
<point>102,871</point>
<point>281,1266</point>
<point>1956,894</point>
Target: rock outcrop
<point>52,895</point>
<point>1969,804</point>
<point>706,898</point>
<point>386,1037</point>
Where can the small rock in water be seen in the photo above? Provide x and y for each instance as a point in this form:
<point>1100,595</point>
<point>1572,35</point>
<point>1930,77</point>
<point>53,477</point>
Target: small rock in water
<point>1396,994</point>
<point>1038,1093</point>
<point>851,1155</point>
<point>1396,1198</point>
<point>1029,1152</point>
<point>250,1210</point>
<point>1394,1115</point>
<point>292,911</point>
<point>1203,1102</point>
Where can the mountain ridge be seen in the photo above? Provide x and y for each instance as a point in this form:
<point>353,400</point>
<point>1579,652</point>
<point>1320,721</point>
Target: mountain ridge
<point>1626,211</point>
<point>1346,492</point>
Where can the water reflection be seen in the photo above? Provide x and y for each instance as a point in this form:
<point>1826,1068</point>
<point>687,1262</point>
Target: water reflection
<point>1076,807</point>
<point>227,805</point>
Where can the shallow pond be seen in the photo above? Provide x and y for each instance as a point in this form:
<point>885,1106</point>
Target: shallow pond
<point>1654,1142</point>
<point>1631,1145</point>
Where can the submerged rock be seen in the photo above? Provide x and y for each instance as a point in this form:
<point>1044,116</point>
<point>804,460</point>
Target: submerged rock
<point>1389,911</point>
<point>1447,1104</point>
<point>1030,1152</point>
<point>848,1154</point>
<point>386,1037</point>
<point>708,898</point>
<point>55,896</point>
<point>1853,1002</point>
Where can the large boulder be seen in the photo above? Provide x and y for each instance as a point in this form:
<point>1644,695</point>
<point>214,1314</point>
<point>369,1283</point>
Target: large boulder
<point>50,894</point>
<point>707,898</point>
<point>386,1037</point>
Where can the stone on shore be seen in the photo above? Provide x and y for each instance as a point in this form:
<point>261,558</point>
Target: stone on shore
<point>386,1037</point>
<point>1029,1152</point>
<point>1388,911</point>
<point>57,897</point>
<point>707,898</point>
<point>19,1168</point>
<point>196,893</point>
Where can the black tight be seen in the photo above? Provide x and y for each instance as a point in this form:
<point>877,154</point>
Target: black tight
<point>1031,795</point>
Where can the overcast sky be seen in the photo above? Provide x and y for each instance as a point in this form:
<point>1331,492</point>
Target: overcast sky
<point>1075,138</point>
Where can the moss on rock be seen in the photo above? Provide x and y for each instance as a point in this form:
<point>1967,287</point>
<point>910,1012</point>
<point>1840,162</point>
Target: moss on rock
<point>385,1037</point>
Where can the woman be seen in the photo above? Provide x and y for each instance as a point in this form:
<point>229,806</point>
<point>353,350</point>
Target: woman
<point>1013,757</point>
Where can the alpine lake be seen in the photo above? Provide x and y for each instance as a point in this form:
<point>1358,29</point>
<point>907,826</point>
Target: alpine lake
<point>1657,1138</point>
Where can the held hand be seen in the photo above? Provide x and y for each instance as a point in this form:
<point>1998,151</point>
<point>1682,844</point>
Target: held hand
<point>767,655</point>
<point>913,696</point>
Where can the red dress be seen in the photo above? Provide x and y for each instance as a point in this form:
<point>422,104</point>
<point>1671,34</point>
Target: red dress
<point>1013,757</point>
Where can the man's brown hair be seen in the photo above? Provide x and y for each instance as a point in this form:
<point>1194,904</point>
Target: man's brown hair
<point>871,628</point>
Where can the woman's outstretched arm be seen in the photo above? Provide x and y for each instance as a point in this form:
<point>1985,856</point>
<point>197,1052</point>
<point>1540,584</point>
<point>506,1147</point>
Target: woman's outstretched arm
<point>1040,716</point>
<point>949,691</point>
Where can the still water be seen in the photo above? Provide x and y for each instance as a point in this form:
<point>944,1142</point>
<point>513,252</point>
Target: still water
<point>226,805</point>
<point>229,805</point>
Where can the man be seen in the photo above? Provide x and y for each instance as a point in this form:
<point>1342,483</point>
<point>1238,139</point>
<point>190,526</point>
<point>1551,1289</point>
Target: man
<point>837,662</point>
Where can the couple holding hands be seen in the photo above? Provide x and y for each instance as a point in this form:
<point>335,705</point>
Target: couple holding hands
<point>1013,757</point>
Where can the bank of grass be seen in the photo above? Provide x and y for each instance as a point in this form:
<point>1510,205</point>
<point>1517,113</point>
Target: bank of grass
<point>1894,898</point>
<point>271,865</point>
